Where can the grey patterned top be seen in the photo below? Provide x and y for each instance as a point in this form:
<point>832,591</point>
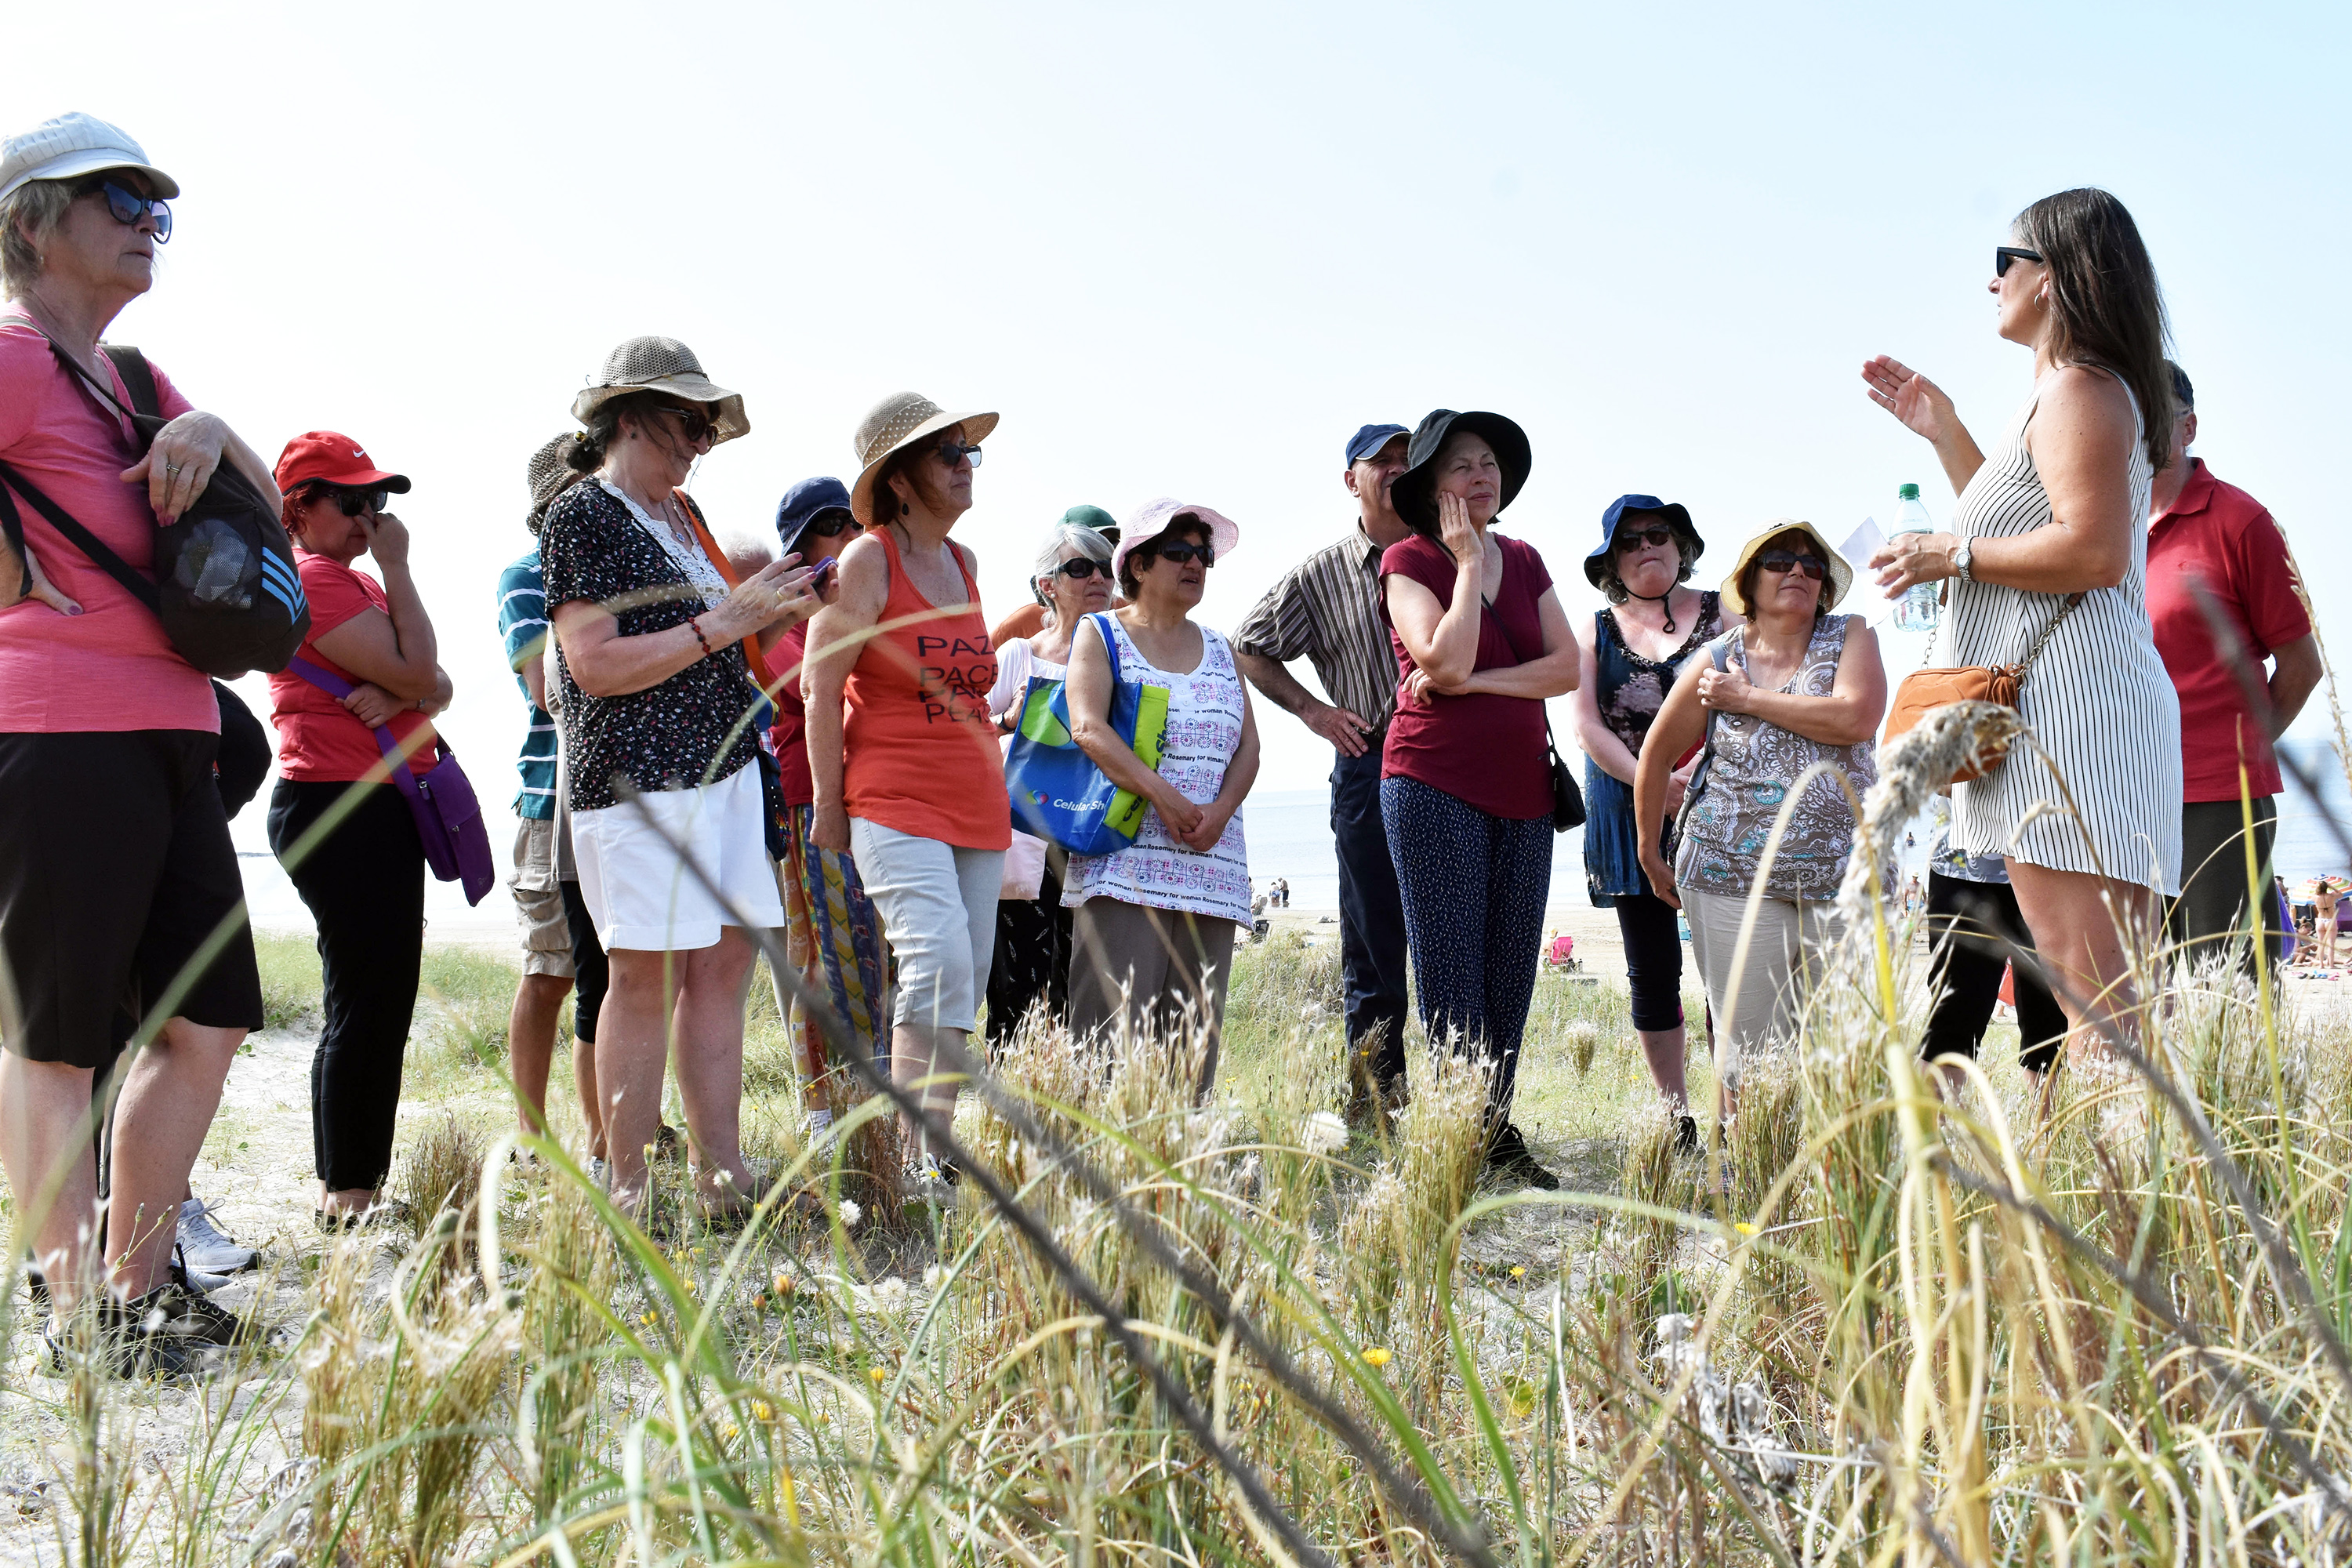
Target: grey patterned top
<point>1755,765</point>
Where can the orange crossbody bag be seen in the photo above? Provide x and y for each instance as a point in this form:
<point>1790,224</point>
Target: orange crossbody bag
<point>1925,690</point>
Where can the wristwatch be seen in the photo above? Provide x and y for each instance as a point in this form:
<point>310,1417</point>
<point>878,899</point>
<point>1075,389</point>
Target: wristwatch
<point>1963,560</point>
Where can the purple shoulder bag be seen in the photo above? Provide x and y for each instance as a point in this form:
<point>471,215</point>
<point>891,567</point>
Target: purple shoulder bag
<point>449,818</point>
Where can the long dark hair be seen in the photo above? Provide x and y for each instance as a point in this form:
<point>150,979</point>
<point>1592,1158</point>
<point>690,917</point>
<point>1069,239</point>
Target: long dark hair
<point>2105,305</point>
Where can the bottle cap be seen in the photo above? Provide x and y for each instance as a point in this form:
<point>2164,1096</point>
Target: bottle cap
<point>1907,492</point>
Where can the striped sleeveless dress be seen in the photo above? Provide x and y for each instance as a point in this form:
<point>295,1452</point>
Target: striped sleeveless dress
<point>2098,698</point>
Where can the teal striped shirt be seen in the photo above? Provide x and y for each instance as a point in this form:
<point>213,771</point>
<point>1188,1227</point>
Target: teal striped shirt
<point>522,622</point>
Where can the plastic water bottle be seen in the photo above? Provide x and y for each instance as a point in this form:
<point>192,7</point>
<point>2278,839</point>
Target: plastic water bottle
<point>1918,610</point>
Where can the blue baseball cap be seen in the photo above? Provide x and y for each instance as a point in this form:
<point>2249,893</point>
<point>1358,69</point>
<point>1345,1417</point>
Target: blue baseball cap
<point>1368,441</point>
<point>802,502</point>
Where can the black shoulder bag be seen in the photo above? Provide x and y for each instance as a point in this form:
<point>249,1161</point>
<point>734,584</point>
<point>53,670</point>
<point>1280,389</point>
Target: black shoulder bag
<point>225,588</point>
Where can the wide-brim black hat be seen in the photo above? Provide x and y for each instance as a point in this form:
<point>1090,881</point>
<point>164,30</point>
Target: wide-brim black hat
<point>1415,493</point>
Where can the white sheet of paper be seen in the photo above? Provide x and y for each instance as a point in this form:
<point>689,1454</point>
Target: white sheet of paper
<point>1862,543</point>
<point>1866,600</point>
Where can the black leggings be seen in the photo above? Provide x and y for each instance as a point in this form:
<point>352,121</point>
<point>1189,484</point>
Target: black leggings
<point>364,883</point>
<point>1967,922</point>
<point>1653,961</point>
<point>1033,958</point>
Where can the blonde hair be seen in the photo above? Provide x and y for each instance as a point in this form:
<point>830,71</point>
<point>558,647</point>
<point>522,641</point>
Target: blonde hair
<point>30,215</point>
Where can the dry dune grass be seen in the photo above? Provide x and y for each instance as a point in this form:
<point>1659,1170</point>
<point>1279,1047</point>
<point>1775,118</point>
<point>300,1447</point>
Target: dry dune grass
<point>1878,1323</point>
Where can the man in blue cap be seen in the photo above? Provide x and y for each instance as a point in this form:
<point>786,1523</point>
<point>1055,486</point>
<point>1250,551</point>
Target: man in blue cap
<point>1327,610</point>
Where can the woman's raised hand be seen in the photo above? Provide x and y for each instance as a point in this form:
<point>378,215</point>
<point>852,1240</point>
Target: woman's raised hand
<point>767,596</point>
<point>1454,531</point>
<point>1911,398</point>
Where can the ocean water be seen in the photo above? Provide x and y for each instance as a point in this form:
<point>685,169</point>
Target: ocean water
<point>1289,834</point>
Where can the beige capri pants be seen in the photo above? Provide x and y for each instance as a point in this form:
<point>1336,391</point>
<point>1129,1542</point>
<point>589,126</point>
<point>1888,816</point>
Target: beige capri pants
<point>1784,957</point>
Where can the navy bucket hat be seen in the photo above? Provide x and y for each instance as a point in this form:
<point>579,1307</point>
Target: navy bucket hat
<point>1597,564</point>
<point>801,505</point>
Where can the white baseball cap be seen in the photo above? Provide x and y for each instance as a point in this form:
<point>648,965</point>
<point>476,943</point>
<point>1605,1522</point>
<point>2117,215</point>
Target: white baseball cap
<point>71,144</point>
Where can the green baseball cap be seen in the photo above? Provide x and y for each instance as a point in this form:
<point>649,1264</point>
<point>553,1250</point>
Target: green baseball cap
<point>1093,516</point>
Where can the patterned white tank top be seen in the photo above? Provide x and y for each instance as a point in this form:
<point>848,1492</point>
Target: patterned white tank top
<point>1204,730</point>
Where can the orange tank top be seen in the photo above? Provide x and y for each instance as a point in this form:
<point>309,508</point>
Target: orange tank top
<point>919,754</point>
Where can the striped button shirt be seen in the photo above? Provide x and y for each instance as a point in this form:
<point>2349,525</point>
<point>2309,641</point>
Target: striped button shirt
<point>1327,610</point>
<point>522,622</point>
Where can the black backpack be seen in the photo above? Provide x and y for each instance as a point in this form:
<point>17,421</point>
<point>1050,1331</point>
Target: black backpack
<point>226,587</point>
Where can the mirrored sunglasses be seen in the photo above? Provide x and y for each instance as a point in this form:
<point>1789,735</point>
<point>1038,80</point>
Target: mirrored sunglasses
<point>129,206</point>
<point>954,452</point>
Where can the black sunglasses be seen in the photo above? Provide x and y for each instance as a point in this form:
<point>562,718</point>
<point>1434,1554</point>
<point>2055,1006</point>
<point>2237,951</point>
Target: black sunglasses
<point>1082,567</point>
<point>2002,255</point>
<point>954,452</point>
<point>1180,553</point>
<point>129,206</point>
<point>692,423</point>
<point>1777,561</point>
<point>352,499</point>
<point>1641,536</point>
<point>833,523</point>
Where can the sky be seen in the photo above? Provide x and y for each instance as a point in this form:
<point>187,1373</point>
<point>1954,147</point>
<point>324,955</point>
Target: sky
<point>1188,250</point>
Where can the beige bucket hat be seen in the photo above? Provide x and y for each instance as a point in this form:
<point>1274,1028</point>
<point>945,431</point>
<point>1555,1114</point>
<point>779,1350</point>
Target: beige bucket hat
<point>1841,573</point>
<point>898,422</point>
<point>663,366</point>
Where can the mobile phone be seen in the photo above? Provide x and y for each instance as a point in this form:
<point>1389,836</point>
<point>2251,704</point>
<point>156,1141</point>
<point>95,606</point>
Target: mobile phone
<point>824,578</point>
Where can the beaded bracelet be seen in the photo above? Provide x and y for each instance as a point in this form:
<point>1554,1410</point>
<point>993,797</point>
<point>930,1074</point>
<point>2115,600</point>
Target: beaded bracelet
<point>695,625</point>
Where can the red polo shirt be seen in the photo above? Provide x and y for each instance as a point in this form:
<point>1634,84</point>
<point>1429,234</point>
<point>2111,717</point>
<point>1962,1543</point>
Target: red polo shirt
<point>2219,533</point>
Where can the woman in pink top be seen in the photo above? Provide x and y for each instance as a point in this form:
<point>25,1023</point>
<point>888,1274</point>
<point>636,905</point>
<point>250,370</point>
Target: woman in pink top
<point>116,867</point>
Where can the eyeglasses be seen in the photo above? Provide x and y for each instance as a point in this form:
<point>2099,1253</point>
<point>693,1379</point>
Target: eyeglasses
<point>1779,561</point>
<point>129,206</point>
<point>2002,255</point>
<point>352,499</point>
<point>834,524</point>
<point>1082,567</point>
<point>1180,553</point>
<point>692,423</point>
<point>1650,536</point>
<point>954,452</point>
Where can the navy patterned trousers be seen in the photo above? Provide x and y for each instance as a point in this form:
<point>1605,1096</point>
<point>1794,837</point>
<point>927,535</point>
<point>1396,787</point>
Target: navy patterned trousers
<point>1474,888</point>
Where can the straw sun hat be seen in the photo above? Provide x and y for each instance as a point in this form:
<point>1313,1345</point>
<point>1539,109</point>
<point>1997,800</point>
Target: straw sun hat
<point>1841,574</point>
<point>663,366</point>
<point>891,425</point>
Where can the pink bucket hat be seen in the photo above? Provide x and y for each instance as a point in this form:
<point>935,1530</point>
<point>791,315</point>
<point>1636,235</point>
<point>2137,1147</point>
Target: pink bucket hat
<point>1155,518</point>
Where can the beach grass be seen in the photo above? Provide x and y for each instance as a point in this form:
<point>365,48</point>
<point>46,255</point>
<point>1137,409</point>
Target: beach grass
<point>1889,1325</point>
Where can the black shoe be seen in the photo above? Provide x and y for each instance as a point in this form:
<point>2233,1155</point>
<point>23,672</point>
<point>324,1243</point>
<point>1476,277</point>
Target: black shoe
<point>171,1331</point>
<point>1685,1135</point>
<point>1509,1158</point>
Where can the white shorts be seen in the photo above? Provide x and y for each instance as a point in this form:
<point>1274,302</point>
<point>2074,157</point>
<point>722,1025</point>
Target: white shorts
<point>937,905</point>
<point>639,894</point>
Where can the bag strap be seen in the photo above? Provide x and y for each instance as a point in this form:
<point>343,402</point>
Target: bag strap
<point>2047,632</point>
<point>1110,640</point>
<point>1719,654</point>
<point>336,686</point>
<point>729,575</point>
<point>1550,746</point>
<point>81,538</point>
<point>138,376</point>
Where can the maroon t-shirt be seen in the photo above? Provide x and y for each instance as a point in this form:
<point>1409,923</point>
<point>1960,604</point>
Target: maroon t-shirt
<point>789,733</point>
<point>1485,749</point>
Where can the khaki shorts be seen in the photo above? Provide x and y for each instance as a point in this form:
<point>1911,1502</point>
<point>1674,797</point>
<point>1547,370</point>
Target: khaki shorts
<point>538,901</point>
